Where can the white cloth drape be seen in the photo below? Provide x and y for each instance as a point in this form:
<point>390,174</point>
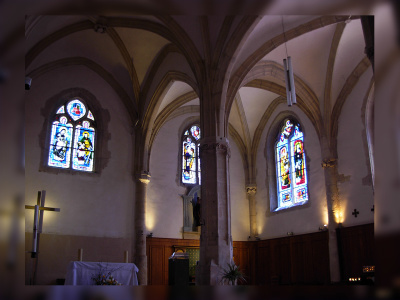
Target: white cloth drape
<point>81,273</point>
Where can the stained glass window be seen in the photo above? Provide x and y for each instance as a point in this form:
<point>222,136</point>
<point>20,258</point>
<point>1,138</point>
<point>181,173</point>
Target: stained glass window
<point>190,156</point>
<point>72,137</point>
<point>291,166</point>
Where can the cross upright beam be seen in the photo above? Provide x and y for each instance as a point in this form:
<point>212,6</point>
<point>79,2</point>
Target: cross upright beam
<point>39,209</point>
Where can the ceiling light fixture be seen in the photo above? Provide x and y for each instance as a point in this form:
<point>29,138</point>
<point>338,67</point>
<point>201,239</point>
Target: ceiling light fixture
<point>289,77</point>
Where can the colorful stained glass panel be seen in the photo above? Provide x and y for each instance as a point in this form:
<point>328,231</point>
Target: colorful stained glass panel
<point>300,195</point>
<point>284,168</point>
<point>188,177</point>
<point>76,109</point>
<point>60,144</point>
<point>83,148</point>
<point>90,115</point>
<point>61,110</point>
<point>195,131</point>
<point>291,166</point>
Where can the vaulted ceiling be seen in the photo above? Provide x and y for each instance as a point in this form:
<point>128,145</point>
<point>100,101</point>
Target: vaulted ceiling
<point>151,61</point>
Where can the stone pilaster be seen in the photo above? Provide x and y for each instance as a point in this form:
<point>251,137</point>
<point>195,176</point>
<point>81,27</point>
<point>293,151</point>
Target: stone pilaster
<point>216,240</point>
<point>187,213</point>
<point>140,258</point>
<point>334,215</point>
<point>251,191</point>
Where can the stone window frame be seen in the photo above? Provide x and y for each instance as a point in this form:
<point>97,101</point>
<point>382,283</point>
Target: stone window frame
<point>187,126</point>
<point>271,178</point>
<point>102,117</point>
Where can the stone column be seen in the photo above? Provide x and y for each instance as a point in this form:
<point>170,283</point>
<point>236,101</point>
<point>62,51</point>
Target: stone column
<point>334,215</point>
<point>140,257</point>
<point>251,191</point>
<point>216,240</point>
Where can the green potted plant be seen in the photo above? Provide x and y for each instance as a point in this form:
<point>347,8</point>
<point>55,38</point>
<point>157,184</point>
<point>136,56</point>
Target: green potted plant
<point>232,274</point>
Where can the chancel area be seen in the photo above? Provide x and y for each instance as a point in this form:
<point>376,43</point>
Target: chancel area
<point>220,140</point>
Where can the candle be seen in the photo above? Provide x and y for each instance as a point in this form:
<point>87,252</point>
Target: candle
<point>126,256</point>
<point>80,254</point>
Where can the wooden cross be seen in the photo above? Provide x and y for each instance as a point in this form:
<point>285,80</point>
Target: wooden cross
<point>39,209</point>
<point>355,213</point>
<point>38,223</point>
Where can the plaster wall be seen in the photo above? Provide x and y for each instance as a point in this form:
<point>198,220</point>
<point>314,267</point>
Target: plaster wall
<point>240,215</point>
<point>89,203</point>
<point>355,181</point>
<point>164,204</point>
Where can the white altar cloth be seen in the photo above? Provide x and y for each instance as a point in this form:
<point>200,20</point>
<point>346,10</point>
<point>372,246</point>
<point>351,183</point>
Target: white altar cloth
<point>82,272</point>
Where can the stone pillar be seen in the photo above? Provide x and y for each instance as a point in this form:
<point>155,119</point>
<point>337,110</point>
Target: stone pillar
<point>216,240</point>
<point>140,257</point>
<point>334,215</point>
<point>251,191</point>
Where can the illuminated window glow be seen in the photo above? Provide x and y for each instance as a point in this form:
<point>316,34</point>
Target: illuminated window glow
<point>291,170</point>
<point>72,138</point>
<point>190,156</point>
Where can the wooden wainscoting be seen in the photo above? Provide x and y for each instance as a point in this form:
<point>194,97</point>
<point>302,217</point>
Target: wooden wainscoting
<point>158,251</point>
<point>299,259</point>
<point>302,259</point>
<point>356,249</point>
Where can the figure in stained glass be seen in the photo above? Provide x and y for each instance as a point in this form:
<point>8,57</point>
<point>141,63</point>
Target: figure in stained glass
<point>60,141</point>
<point>299,162</point>
<point>85,148</point>
<point>190,155</point>
<point>79,134</point>
<point>288,128</point>
<point>76,109</point>
<point>189,149</point>
<point>61,144</point>
<point>291,167</point>
<point>195,130</point>
<point>284,165</point>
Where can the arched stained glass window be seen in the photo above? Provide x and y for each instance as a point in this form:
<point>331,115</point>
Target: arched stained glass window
<point>72,137</point>
<point>291,166</point>
<point>190,156</point>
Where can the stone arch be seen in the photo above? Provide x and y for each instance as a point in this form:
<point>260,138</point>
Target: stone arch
<point>82,61</point>
<point>189,227</point>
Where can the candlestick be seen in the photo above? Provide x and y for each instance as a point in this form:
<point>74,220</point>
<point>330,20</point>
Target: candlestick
<point>80,254</point>
<point>126,258</point>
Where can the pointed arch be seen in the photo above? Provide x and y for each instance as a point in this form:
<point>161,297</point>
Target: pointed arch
<point>236,79</point>
<point>99,70</point>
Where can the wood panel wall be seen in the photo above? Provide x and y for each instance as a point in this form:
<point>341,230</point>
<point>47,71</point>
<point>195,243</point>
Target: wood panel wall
<point>356,249</point>
<point>158,251</point>
<point>292,260</point>
<point>302,259</point>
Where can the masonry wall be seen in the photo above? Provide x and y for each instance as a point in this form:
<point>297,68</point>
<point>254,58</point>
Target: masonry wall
<point>88,202</point>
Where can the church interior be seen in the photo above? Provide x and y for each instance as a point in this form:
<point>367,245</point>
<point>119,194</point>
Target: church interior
<point>231,138</point>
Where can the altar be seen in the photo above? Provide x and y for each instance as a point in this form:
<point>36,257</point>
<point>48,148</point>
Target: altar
<point>81,273</point>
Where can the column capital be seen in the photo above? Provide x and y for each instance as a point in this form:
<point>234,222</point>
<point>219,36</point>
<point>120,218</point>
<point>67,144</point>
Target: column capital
<point>144,177</point>
<point>328,163</point>
<point>218,144</point>
<point>251,189</point>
